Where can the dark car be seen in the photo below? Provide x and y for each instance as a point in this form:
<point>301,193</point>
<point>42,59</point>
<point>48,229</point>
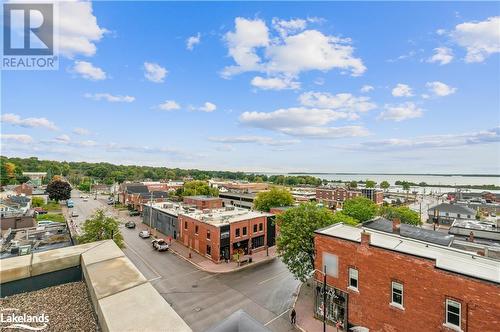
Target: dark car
<point>130,224</point>
<point>134,213</point>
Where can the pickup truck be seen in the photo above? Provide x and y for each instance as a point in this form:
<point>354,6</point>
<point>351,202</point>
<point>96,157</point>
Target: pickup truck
<point>160,244</point>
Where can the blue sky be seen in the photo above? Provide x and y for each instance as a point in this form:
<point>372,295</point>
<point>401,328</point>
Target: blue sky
<point>317,87</point>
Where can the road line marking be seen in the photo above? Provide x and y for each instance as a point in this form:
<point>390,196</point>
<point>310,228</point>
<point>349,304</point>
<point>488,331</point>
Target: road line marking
<point>210,276</point>
<point>269,279</point>
<point>142,259</point>
<point>150,280</point>
<point>272,320</point>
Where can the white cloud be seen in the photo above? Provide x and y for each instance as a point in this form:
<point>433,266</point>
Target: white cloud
<point>292,117</point>
<point>16,120</point>
<point>89,71</point>
<point>154,72</point>
<point>340,101</point>
<point>25,139</point>
<point>109,97</point>
<point>285,27</point>
<point>287,54</point>
<point>192,41</point>
<point>442,55</point>
<point>327,132</point>
<point>480,39</point>
<point>366,88</point>
<point>440,32</point>
<point>63,138</point>
<point>440,89</point>
<point>275,83</point>
<point>252,139</point>
<point>81,131</point>
<point>207,107</point>
<point>402,90</point>
<point>78,29</point>
<point>401,112</point>
<point>169,105</point>
<point>434,141</point>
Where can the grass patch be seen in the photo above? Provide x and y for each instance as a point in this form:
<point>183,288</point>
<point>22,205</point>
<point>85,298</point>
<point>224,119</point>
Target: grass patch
<point>51,217</point>
<point>52,206</point>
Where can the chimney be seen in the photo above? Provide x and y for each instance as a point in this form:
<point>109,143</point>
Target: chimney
<point>365,238</point>
<point>471,237</point>
<point>396,225</point>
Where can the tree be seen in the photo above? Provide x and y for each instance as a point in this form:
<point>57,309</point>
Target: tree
<point>406,187</point>
<point>59,190</point>
<point>37,202</point>
<point>352,184</point>
<point>370,184</point>
<point>84,186</point>
<point>198,187</point>
<point>384,185</point>
<point>344,218</point>
<point>403,213</point>
<point>276,197</point>
<point>101,227</point>
<point>360,208</point>
<point>295,243</point>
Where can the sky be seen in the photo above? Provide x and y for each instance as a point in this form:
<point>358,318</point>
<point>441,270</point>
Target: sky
<point>266,87</point>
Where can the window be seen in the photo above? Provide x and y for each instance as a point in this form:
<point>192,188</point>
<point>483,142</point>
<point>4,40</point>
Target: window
<point>244,231</point>
<point>196,229</point>
<point>397,294</point>
<point>258,242</point>
<point>353,278</point>
<point>209,250</point>
<point>185,225</point>
<point>261,227</point>
<point>458,215</point>
<point>255,228</point>
<point>237,232</point>
<point>208,235</point>
<point>453,314</point>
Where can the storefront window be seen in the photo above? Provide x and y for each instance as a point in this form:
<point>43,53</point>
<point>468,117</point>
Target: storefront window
<point>336,304</point>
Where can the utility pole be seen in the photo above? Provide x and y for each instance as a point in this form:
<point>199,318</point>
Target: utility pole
<point>324,298</point>
<point>150,211</point>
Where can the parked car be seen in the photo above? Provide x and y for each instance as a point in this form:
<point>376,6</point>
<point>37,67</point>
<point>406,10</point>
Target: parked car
<point>85,199</point>
<point>160,244</point>
<point>39,210</point>
<point>144,234</point>
<point>134,213</point>
<point>130,224</point>
<point>74,214</point>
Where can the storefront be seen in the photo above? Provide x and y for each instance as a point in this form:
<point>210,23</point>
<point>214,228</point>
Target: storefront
<point>336,305</point>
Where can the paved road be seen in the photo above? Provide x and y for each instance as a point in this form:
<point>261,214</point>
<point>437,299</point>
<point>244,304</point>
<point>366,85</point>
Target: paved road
<point>202,299</point>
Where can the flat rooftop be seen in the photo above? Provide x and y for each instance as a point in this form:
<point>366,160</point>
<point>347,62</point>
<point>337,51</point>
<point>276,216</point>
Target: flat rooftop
<point>224,216</point>
<point>475,225</point>
<point>446,258</point>
<point>203,198</point>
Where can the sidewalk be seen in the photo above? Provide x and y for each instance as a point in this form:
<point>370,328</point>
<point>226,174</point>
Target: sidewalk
<point>207,265</point>
<point>304,308</point>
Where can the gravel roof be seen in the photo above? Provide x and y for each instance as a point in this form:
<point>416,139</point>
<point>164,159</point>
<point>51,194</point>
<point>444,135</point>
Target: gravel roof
<point>67,306</point>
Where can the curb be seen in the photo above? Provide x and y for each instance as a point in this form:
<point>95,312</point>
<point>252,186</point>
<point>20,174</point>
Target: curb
<point>222,272</point>
<point>299,288</point>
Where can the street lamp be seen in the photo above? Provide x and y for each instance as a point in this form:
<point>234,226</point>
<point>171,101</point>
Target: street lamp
<point>324,295</point>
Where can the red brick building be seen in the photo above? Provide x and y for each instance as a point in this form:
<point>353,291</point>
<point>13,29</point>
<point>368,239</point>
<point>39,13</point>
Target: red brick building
<point>203,202</point>
<point>334,198</point>
<point>218,234</point>
<point>387,282</point>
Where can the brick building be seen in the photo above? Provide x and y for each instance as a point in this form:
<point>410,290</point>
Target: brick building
<point>335,197</point>
<point>24,189</point>
<point>203,202</point>
<point>377,196</point>
<point>388,282</point>
<point>220,233</point>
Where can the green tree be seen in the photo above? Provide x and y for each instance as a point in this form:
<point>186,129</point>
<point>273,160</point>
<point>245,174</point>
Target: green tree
<point>384,185</point>
<point>37,201</point>
<point>198,187</point>
<point>370,184</point>
<point>352,184</point>
<point>403,213</point>
<point>406,187</point>
<point>59,190</point>
<point>276,197</point>
<point>344,218</point>
<point>101,227</point>
<point>360,208</point>
<point>84,186</point>
<point>295,243</point>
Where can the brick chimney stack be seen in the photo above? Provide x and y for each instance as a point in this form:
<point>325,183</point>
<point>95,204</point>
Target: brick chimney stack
<point>396,225</point>
<point>365,238</point>
<point>471,237</point>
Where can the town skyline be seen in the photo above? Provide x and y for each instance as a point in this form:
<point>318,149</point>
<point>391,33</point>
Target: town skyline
<point>222,93</point>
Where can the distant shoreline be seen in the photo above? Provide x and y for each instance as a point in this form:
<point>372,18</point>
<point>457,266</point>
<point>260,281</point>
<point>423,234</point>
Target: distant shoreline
<point>412,174</point>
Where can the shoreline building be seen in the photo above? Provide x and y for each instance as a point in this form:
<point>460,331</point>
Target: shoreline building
<point>384,281</point>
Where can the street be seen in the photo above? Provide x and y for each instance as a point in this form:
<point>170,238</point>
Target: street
<point>266,292</point>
